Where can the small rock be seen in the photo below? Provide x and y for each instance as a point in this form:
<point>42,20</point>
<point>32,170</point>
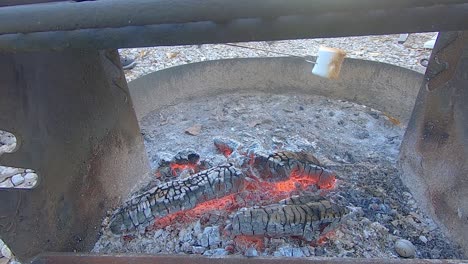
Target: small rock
<point>375,115</point>
<point>6,252</point>
<point>194,130</point>
<point>423,239</point>
<point>251,252</point>
<point>6,184</point>
<point>17,179</point>
<point>331,113</point>
<point>171,55</point>
<point>301,108</point>
<point>405,248</point>
<point>198,249</point>
<point>30,176</point>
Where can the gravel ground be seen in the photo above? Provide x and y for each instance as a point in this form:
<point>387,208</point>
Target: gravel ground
<point>379,48</point>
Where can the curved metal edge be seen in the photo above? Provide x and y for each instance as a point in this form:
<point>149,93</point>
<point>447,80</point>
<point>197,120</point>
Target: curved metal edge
<point>385,87</point>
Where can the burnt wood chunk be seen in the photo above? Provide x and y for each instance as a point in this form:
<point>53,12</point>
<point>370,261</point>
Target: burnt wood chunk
<point>304,217</point>
<point>175,196</point>
<point>283,165</point>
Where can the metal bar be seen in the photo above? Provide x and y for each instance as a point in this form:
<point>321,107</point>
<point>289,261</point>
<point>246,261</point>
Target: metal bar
<point>120,13</point>
<point>336,24</point>
<point>434,151</point>
<point>167,259</point>
<point>74,121</point>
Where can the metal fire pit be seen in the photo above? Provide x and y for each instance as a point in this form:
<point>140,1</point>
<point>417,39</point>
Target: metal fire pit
<point>66,100</point>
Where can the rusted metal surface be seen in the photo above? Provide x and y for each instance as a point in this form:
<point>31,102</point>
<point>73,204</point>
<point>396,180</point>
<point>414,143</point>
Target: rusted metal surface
<point>140,259</point>
<point>68,15</point>
<point>434,153</point>
<point>73,118</point>
<point>329,23</point>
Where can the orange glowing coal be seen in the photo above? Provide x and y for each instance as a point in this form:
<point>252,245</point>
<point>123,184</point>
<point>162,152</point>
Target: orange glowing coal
<point>244,242</point>
<point>256,192</point>
<point>226,203</point>
<point>176,168</point>
<point>225,150</point>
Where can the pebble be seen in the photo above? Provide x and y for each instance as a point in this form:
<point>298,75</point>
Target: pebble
<point>17,179</point>
<point>6,252</point>
<point>198,250</point>
<point>30,176</point>
<point>405,248</point>
<point>6,184</point>
<point>251,252</point>
<point>423,239</point>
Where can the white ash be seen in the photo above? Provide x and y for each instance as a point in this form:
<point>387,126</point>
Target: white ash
<point>361,144</point>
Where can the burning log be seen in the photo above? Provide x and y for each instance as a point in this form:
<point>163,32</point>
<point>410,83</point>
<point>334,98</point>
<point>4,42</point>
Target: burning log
<point>300,165</point>
<point>281,165</point>
<point>303,217</point>
<point>176,196</point>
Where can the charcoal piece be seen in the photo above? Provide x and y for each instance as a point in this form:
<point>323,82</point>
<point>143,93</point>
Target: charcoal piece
<point>226,145</point>
<point>283,165</point>
<point>186,157</point>
<point>298,216</point>
<point>175,196</point>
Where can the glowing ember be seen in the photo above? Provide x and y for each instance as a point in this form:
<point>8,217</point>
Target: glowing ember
<point>324,238</point>
<point>266,187</point>
<point>245,242</point>
<point>227,203</point>
<point>225,150</point>
<point>177,169</point>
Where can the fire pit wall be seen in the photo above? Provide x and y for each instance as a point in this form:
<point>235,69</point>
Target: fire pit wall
<point>385,87</point>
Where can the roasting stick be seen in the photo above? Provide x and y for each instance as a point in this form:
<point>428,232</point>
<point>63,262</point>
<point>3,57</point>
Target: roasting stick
<point>277,52</point>
<point>327,65</point>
